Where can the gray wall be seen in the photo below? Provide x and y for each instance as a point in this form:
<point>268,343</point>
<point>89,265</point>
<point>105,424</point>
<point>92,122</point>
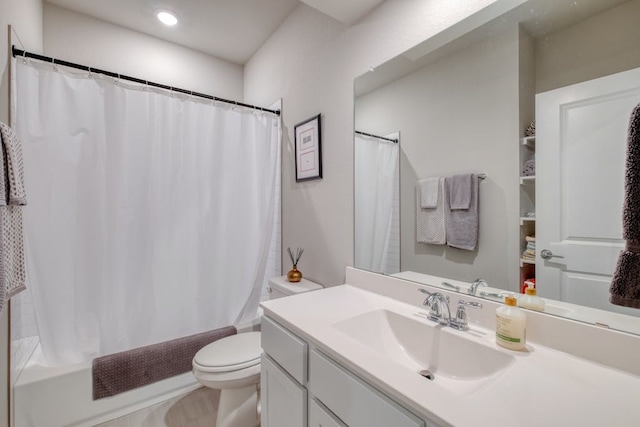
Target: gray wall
<point>604,44</point>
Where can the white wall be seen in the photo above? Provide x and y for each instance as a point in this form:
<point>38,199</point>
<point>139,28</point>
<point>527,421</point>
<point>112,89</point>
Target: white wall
<point>78,38</point>
<point>459,115</point>
<point>26,17</point>
<point>311,62</point>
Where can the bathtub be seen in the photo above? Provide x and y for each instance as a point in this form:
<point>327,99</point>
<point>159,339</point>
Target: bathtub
<point>62,396</point>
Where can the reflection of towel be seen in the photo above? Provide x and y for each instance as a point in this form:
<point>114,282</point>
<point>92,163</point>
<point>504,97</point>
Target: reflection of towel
<point>12,197</point>
<point>429,192</point>
<point>625,285</point>
<point>459,190</point>
<point>529,168</point>
<point>430,223</point>
<point>462,224</point>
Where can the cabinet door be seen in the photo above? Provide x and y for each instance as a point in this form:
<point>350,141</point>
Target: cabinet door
<point>319,416</point>
<point>283,401</point>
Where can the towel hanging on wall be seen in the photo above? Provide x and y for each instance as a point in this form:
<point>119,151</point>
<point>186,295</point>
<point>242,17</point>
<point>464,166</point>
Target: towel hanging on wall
<point>625,285</point>
<point>462,223</point>
<point>430,222</point>
<point>12,198</point>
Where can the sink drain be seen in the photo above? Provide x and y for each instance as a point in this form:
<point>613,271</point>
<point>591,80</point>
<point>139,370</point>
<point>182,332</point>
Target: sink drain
<point>427,374</point>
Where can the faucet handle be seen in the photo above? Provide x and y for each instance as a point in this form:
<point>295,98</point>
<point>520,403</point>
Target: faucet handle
<point>460,322</point>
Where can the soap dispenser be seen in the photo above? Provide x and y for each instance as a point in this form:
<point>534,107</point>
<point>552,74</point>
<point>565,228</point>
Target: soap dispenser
<point>511,325</point>
<point>530,299</point>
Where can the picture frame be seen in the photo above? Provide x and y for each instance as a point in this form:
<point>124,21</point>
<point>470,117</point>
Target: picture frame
<point>308,149</point>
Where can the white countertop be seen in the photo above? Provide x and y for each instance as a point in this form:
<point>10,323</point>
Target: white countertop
<point>544,387</point>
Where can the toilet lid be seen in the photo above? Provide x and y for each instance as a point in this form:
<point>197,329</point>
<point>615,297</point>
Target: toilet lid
<point>230,353</point>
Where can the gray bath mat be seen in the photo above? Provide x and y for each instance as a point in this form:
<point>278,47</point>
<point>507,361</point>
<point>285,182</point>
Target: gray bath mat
<point>120,372</point>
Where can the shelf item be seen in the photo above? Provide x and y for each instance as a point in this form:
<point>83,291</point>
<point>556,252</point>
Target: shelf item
<point>527,219</point>
<point>528,180</point>
<point>529,141</point>
<point>527,205</point>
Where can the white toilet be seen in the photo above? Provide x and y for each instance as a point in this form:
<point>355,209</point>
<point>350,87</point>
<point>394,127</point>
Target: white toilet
<point>232,365</point>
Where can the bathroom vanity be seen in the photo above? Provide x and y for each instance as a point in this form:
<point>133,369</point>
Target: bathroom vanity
<point>351,355</point>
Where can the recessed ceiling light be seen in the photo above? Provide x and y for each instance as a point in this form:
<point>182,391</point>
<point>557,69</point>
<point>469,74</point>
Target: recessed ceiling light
<point>167,18</point>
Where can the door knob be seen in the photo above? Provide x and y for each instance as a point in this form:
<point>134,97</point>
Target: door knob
<point>547,254</point>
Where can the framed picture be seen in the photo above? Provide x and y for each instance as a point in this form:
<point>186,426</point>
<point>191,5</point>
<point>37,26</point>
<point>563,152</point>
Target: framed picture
<point>308,150</point>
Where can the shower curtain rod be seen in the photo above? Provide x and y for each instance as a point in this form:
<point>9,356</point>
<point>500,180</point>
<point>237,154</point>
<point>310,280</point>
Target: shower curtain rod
<point>395,141</point>
<point>24,54</point>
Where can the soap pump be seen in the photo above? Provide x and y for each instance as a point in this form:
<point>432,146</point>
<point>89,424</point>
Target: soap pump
<point>530,299</point>
<point>511,325</point>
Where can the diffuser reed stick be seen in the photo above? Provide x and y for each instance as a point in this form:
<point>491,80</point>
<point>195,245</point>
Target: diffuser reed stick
<point>296,258</point>
<point>294,275</point>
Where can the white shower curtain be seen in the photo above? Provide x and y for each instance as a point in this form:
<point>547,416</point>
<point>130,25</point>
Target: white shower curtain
<point>376,202</point>
<point>150,214</point>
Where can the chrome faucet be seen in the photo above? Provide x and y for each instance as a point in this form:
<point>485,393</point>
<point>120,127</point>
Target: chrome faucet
<point>460,322</point>
<point>476,284</point>
<point>438,305</point>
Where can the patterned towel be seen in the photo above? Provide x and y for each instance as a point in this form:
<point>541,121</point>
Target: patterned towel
<point>12,198</point>
<point>625,285</point>
<point>120,372</point>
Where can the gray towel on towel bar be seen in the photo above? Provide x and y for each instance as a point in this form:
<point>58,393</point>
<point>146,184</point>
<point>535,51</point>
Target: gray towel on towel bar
<point>625,285</point>
<point>13,274</point>
<point>120,372</point>
<point>460,191</point>
<point>462,224</point>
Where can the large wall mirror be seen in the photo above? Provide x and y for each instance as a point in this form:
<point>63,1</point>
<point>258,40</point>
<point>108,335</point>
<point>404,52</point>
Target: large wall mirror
<point>464,106</point>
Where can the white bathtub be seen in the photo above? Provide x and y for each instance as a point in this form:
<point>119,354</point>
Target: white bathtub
<point>62,396</point>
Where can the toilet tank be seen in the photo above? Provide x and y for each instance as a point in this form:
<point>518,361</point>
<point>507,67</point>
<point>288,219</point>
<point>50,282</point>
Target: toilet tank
<point>280,287</point>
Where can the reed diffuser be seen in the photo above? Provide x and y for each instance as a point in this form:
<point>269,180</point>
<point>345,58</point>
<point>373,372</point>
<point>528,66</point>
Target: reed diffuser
<point>294,275</point>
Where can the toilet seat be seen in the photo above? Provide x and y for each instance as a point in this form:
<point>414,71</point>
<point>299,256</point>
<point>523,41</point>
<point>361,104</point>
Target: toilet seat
<point>231,353</point>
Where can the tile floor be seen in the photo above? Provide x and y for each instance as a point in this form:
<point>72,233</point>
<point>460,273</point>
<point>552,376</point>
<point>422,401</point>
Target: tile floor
<point>195,409</point>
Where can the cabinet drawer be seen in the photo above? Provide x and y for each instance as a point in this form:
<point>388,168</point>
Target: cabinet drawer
<point>321,417</point>
<point>289,351</point>
<point>356,403</point>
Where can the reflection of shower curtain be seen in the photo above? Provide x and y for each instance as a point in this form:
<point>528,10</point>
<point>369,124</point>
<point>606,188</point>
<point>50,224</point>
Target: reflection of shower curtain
<point>151,215</point>
<point>377,230</point>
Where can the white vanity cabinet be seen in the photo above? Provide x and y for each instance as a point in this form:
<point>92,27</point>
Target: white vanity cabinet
<point>283,395</point>
<point>303,387</point>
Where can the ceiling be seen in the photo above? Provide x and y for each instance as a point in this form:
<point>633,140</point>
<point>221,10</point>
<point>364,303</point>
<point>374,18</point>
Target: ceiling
<point>232,30</point>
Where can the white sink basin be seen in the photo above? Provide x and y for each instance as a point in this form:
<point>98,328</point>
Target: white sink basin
<point>456,362</point>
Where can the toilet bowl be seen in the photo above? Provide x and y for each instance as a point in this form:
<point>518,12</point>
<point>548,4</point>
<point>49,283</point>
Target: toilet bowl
<point>232,365</point>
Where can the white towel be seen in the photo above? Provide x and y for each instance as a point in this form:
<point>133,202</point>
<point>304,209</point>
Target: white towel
<point>462,224</point>
<point>429,192</point>
<point>12,198</point>
<point>430,223</point>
